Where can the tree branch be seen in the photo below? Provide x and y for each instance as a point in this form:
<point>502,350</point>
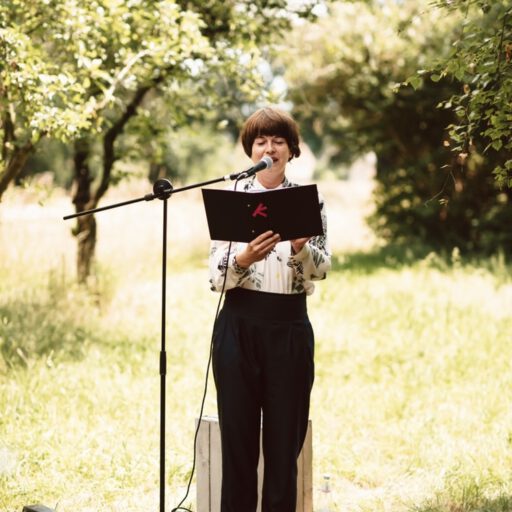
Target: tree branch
<point>9,135</point>
<point>117,129</point>
<point>110,137</point>
<point>500,44</point>
<point>109,95</point>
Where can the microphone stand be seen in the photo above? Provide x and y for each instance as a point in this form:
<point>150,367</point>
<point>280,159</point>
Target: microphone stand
<point>163,190</point>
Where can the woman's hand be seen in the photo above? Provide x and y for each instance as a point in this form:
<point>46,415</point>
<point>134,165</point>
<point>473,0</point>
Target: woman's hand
<point>257,249</point>
<point>299,243</point>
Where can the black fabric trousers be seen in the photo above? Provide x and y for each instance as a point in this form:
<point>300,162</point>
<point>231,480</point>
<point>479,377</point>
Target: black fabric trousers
<point>263,364</point>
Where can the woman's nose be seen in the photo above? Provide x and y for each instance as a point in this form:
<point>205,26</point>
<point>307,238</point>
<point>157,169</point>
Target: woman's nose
<point>269,147</point>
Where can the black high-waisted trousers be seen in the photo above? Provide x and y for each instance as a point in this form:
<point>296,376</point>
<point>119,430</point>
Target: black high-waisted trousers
<point>263,368</point>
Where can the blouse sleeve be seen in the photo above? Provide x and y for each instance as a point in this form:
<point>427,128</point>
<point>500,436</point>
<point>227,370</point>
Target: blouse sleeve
<point>313,261</point>
<point>221,261</point>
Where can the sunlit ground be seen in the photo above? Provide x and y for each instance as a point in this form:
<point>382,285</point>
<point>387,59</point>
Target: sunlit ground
<point>409,406</point>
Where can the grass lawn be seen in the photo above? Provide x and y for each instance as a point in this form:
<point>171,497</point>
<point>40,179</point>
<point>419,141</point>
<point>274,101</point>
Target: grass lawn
<point>410,409</point>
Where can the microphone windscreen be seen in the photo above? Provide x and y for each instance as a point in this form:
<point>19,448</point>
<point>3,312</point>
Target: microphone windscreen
<point>268,161</point>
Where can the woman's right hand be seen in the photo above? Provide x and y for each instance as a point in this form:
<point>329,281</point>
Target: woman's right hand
<point>257,249</point>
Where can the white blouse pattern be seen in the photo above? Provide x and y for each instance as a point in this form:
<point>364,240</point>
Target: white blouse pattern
<point>281,271</point>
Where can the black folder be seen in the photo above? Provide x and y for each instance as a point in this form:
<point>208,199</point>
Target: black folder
<point>293,212</point>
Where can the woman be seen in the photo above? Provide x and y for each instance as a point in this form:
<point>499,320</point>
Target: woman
<point>264,343</point>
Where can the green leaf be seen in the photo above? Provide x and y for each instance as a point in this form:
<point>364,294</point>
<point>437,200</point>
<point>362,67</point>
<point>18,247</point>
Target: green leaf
<point>415,81</point>
<point>497,144</point>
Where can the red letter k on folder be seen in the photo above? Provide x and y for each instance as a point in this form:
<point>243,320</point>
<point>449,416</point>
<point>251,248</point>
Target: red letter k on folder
<point>260,210</point>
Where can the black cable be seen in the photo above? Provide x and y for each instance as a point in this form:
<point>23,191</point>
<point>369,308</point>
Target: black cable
<point>203,400</point>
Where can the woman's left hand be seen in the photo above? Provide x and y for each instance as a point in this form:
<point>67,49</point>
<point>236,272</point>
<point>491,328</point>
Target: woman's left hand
<point>299,243</point>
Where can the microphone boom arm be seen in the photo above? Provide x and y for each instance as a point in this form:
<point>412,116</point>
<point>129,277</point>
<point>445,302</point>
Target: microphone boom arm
<point>162,189</point>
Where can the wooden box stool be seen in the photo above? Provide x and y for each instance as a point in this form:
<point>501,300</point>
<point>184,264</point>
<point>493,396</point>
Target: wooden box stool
<point>209,469</point>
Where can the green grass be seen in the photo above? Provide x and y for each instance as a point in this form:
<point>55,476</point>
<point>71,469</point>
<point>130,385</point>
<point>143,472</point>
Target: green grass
<point>420,359</point>
<point>410,408</point>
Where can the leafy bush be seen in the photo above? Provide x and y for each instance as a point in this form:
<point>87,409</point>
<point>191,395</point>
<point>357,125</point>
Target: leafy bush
<point>428,199</point>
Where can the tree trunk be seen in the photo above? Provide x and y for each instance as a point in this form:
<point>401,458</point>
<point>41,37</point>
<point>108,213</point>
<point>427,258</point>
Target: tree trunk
<point>85,230</point>
<point>86,235</point>
<point>14,166</point>
<point>84,198</point>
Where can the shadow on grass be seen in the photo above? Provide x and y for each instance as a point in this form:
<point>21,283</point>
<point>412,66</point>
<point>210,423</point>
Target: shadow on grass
<point>34,327</point>
<point>53,319</point>
<point>396,257</point>
<point>392,257</point>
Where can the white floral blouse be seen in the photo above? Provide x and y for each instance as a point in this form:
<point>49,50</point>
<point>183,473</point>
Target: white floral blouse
<point>281,271</point>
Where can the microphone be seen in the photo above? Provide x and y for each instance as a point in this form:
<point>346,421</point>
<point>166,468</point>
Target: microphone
<point>265,163</point>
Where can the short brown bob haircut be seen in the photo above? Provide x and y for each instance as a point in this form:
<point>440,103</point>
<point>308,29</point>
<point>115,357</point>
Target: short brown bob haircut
<point>270,121</point>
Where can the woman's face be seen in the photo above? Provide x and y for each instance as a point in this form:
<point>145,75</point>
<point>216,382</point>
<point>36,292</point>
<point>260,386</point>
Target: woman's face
<point>273,146</point>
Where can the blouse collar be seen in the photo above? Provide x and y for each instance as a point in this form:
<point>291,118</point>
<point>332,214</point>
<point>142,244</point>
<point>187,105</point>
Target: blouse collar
<point>255,184</point>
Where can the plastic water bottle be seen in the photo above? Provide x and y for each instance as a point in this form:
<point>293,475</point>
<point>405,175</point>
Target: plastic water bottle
<point>325,498</point>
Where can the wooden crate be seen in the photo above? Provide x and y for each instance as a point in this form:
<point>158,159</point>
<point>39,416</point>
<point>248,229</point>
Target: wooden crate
<point>209,469</point>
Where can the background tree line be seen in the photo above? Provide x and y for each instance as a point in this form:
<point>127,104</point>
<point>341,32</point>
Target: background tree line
<point>426,86</point>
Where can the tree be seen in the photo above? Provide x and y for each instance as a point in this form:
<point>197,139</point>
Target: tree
<point>481,61</point>
<point>38,97</point>
<point>126,50</point>
<point>110,60</point>
<point>349,98</point>
<point>196,46</point>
